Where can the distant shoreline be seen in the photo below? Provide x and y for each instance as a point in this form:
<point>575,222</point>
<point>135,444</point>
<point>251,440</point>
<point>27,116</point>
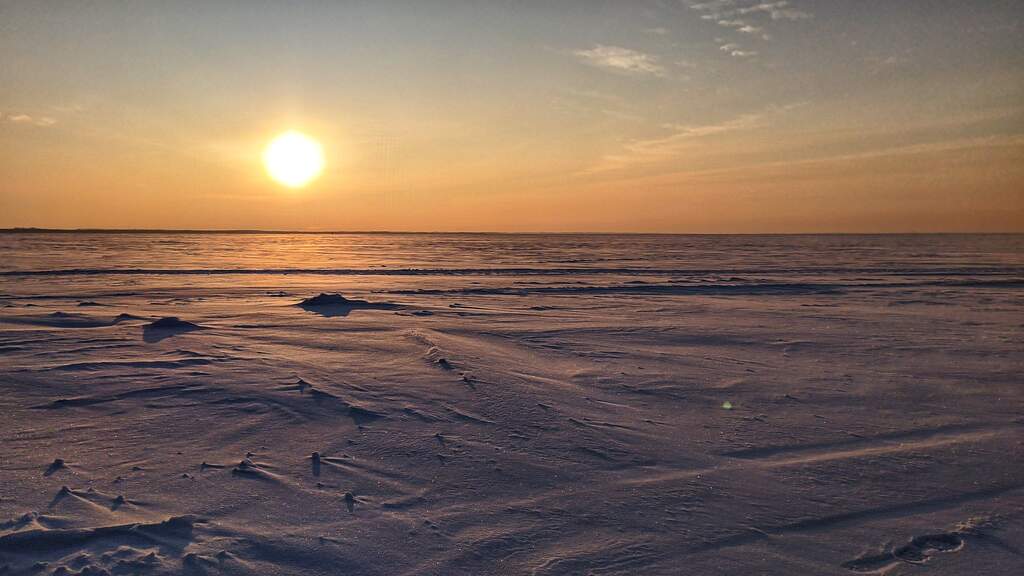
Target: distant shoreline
<point>30,230</point>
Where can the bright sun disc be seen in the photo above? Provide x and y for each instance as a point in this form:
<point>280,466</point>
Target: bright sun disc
<point>293,159</point>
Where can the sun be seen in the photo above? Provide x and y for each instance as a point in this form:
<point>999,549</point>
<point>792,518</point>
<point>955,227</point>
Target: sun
<point>293,159</point>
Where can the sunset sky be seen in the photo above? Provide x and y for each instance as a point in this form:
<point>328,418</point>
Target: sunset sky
<point>661,116</point>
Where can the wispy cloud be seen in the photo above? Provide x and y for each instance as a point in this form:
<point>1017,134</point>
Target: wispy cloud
<point>735,50</point>
<point>25,119</point>
<point>723,9</point>
<point>619,59</point>
<point>713,6</point>
<point>686,131</point>
<point>746,17</point>
<point>679,138</point>
<point>769,169</point>
<point>683,139</point>
<point>777,10</point>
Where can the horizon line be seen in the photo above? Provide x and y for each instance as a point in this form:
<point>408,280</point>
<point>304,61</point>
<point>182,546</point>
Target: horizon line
<point>40,230</point>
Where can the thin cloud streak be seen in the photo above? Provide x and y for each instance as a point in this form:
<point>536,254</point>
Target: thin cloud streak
<point>755,170</point>
<point>681,137</point>
<point>27,120</point>
<point>622,60</point>
<point>736,16</point>
<point>724,9</point>
<point>655,150</point>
